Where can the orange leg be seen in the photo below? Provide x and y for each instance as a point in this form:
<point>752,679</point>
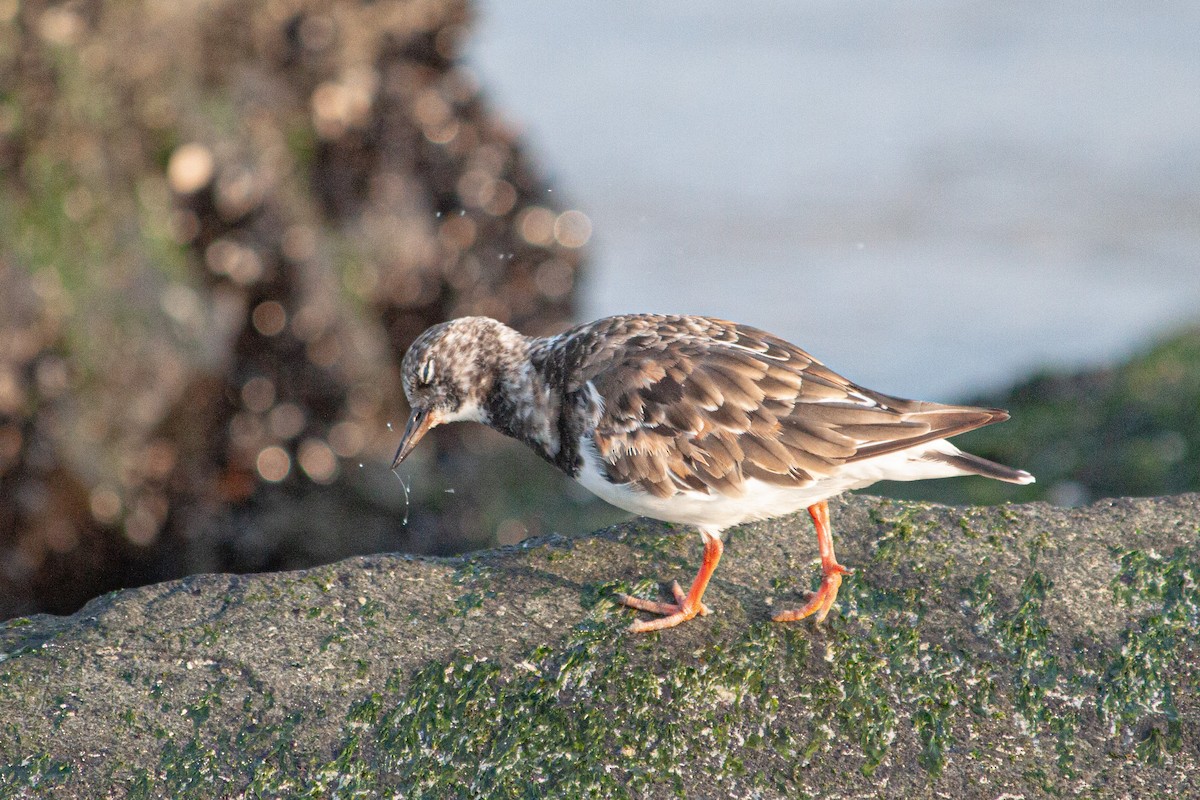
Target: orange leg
<point>822,600</point>
<point>685,606</point>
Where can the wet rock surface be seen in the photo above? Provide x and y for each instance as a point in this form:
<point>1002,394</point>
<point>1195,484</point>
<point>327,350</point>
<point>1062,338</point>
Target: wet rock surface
<point>976,652</point>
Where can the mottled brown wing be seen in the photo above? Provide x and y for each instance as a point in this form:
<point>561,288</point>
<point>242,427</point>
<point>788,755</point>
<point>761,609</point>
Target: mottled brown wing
<point>702,404</point>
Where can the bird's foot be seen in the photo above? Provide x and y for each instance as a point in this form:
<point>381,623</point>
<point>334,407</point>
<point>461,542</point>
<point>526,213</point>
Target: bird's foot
<point>820,601</point>
<point>673,613</point>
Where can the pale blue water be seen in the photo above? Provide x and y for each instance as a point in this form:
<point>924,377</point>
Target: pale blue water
<point>932,197</point>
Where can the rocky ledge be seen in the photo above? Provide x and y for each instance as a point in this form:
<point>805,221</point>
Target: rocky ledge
<point>977,652</point>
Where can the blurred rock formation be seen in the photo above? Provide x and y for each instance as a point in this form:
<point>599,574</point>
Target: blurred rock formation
<point>221,224</point>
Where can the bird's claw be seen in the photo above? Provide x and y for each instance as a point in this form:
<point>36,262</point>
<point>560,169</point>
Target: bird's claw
<point>820,601</point>
<point>672,613</point>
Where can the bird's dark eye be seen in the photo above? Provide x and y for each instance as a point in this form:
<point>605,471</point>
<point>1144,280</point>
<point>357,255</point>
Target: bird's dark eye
<point>425,374</point>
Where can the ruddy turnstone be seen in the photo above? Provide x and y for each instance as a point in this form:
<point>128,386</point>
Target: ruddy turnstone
<point>689,420</point>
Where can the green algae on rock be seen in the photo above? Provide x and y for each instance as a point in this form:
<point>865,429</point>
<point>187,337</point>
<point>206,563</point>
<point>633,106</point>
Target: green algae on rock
<point>1025,650</point>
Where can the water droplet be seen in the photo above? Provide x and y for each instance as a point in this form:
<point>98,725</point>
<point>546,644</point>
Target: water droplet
<point>405,486</point>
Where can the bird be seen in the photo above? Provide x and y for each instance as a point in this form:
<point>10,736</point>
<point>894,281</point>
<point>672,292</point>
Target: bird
<point>691,420</point>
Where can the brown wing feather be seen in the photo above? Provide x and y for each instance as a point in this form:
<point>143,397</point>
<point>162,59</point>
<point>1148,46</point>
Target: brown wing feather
<point>692,403</point>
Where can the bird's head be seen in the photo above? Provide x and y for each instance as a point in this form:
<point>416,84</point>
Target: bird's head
<point>449,372</point>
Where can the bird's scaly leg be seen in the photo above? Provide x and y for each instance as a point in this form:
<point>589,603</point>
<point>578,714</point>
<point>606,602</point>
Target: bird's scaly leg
<point>831,571</point>
<point>685,606</point>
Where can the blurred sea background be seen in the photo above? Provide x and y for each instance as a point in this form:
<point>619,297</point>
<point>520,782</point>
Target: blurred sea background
<point>208,281</point>
<point>935,198</point>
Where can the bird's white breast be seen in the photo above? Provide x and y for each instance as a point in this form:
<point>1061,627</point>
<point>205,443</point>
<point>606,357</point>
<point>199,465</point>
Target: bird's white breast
<point>761,500</point>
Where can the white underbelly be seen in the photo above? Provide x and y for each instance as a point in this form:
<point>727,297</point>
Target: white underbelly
<point>760,500</point>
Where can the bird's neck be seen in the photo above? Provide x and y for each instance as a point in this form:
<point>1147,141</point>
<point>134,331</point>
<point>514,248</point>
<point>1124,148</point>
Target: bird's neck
<point>522,404</point>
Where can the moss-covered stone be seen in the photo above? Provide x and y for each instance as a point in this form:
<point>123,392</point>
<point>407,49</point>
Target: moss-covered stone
<point>1024,650</point>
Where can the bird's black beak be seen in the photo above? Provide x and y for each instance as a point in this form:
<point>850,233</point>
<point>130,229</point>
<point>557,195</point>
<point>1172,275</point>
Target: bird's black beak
<point>419,424</point>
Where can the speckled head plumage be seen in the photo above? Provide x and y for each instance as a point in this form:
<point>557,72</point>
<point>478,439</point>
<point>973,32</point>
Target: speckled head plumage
<point>452,369</point>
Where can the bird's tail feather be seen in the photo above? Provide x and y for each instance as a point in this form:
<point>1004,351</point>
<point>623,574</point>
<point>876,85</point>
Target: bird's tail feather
<point>981,466</point>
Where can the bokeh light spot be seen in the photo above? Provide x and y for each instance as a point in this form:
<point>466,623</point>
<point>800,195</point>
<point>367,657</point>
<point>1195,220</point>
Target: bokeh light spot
<point>269,318</point>
<point>105,505</point>
<point>346,439</point>
<point>273,463</point>
<point>258,394</point>
<point>572,229</point>
<point>317,460</point>
<point>536,225</point>
<point>182,304</point>
<point>286,420</point>
<point>430,109</point>
<point>12,395</point>
<point>240,263</point>
<point>60,26</point>
<point>443,134</point>
<point>145,521</point>
<point>458,232</point>
<point>554,279</point>
<point>158,459</point>
<point>503,198</point>
<point>190,168</point>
